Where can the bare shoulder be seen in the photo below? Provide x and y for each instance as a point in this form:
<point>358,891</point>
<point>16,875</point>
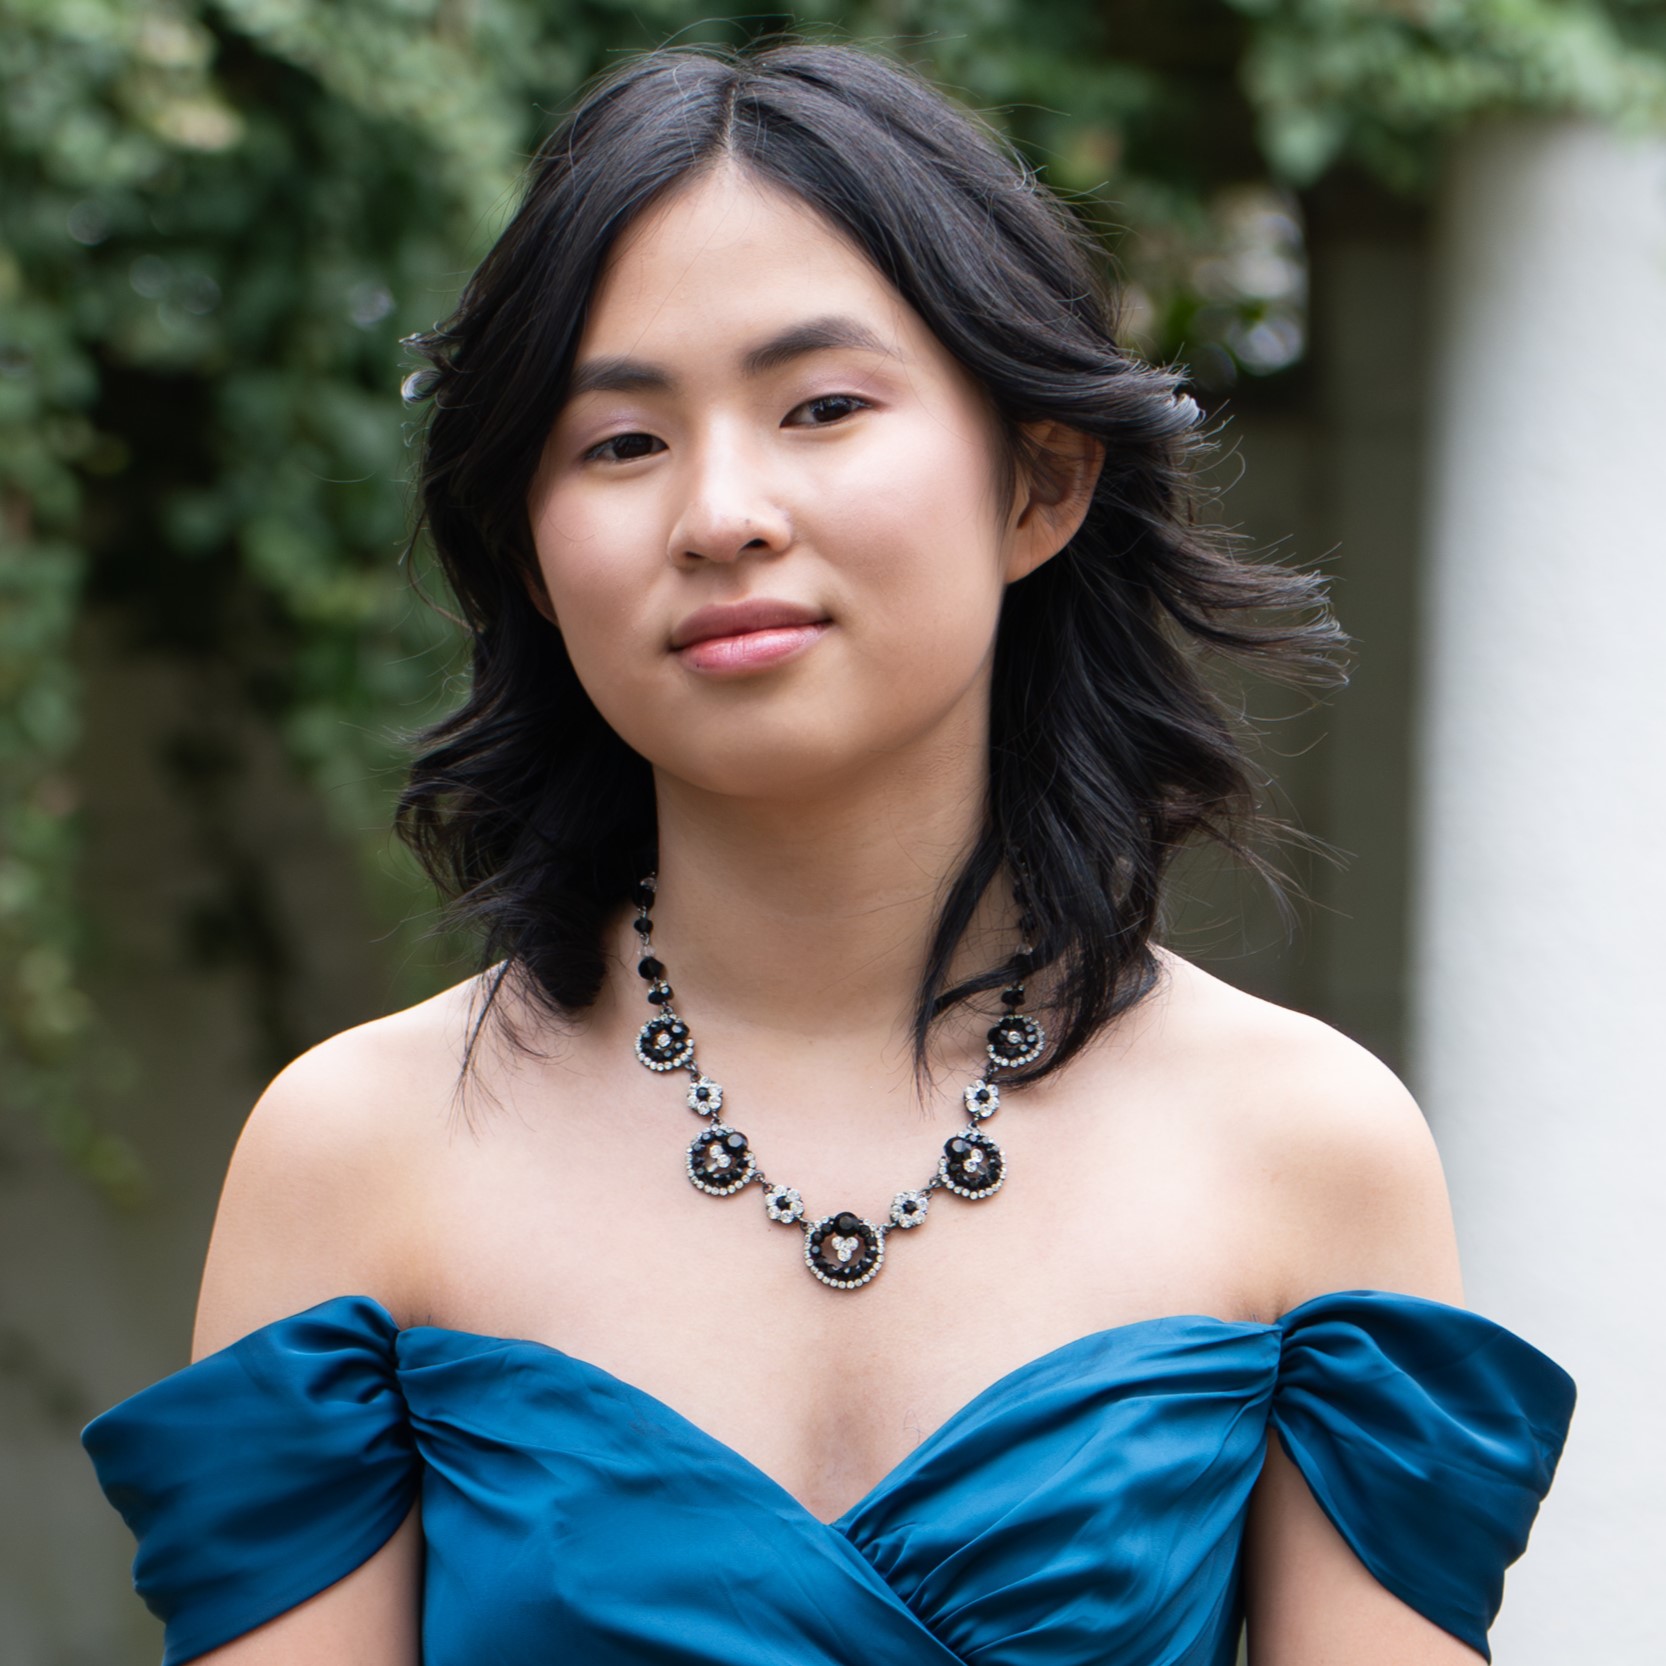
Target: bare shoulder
<point>1328,1149</point>
<point>317,1198</point>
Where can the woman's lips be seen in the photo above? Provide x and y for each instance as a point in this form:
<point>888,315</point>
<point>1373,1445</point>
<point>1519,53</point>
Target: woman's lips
<point>750,650</point>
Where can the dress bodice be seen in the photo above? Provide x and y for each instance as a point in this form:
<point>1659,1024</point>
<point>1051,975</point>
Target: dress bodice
<point>1087,1506</point>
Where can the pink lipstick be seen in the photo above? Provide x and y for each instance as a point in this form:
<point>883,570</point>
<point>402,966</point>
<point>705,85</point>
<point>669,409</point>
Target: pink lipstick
<point>737,637</point>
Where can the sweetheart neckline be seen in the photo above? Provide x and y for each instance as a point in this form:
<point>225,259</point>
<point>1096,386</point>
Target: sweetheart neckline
<point>894,1475</point>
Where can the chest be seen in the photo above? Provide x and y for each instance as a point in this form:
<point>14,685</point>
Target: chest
<point>567,1217</point>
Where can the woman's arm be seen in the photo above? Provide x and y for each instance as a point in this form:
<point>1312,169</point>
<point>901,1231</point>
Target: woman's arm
<point>1356,1200</point>
<point>1309,1599</point>
<point>373,1617</point>
<point>311,1209</point>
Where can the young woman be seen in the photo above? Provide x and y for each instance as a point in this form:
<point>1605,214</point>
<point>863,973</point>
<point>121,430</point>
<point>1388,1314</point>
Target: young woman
<point>1015,1291</point>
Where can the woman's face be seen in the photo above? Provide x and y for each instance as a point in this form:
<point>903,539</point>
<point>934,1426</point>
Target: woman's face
<point>768,520</point>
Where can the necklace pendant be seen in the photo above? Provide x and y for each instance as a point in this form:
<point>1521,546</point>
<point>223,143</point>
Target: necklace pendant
<point>972,1165</point>
<point>909,1208</point>
<point>705,1096</point>
<point>720,1161</point>
<point>783,1204</point>
<point>664,1043</point>
<point>844,1251</point>
<point>1016,1039</point>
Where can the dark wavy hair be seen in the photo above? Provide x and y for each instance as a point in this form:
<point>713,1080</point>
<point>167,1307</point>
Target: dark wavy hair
<point>1108,751</point>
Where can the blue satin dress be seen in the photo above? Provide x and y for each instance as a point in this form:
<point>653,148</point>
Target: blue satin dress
<point>1086,1508</point>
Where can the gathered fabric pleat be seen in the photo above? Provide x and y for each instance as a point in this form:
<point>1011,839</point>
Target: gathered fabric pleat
<point>260,1474</point>
<point>1429,1435</point>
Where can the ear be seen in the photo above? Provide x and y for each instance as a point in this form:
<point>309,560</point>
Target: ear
<point>1054,490</point>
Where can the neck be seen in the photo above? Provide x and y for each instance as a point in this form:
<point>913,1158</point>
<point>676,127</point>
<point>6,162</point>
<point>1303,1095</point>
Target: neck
<point>803,921</point>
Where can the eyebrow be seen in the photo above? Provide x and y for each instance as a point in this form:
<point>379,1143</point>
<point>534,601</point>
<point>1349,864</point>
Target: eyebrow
<point>815,335</point>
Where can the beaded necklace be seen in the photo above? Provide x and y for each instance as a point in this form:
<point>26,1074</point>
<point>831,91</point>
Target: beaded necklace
<point>842,1250</point>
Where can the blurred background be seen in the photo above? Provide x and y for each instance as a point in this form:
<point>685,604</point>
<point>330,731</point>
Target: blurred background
<point>1413,255</point>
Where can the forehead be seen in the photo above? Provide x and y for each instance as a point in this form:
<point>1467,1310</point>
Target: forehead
<point>727,256</point>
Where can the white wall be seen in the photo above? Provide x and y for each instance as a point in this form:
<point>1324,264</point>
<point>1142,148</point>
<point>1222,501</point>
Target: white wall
<point>1539,958</point>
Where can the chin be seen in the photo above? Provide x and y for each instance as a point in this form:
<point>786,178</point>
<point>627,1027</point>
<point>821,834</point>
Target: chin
<point>760,772</point>
<point>803,750</point>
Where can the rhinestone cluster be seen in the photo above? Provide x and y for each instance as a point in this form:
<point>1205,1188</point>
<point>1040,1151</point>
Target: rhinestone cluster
<point>842,1250</point>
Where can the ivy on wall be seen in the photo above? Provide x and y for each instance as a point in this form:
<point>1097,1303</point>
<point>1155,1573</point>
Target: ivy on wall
<point>218,218</point>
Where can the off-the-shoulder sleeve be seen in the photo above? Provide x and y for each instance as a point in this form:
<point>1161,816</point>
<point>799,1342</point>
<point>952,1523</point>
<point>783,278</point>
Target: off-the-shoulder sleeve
<point>258,1475</point>
<point>1429,1435</point>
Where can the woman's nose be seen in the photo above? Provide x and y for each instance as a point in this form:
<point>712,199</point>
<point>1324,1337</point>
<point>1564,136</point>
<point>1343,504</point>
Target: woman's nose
<point>729,510</point>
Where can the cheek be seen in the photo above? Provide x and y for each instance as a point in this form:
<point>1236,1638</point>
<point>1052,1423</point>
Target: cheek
<point>596,552</point>
<point>916,527</point>
<point>594,572</point>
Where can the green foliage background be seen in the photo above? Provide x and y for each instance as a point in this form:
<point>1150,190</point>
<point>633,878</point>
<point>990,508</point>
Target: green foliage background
<point>218,217</point>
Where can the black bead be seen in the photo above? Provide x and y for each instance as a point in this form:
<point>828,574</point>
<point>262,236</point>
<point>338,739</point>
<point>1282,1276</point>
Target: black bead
<point>1026,924</point>
<point>644,897</point>
<point>735,1142</point>
<point>644,926</point>
<point>1013,997</point>
<point>660,994</point>
<point>959,1147</point>
<point>1023,963</point>
<point>650,968</point>
<point>846,1223</point>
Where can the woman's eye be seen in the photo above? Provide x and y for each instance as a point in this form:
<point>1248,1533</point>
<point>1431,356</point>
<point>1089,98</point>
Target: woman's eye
<point>829,408</point>
<point>624,448</point>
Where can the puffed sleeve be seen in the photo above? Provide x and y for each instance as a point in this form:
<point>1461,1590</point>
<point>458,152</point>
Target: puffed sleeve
<point>258,1475</point>
<point>1429,1435</point>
